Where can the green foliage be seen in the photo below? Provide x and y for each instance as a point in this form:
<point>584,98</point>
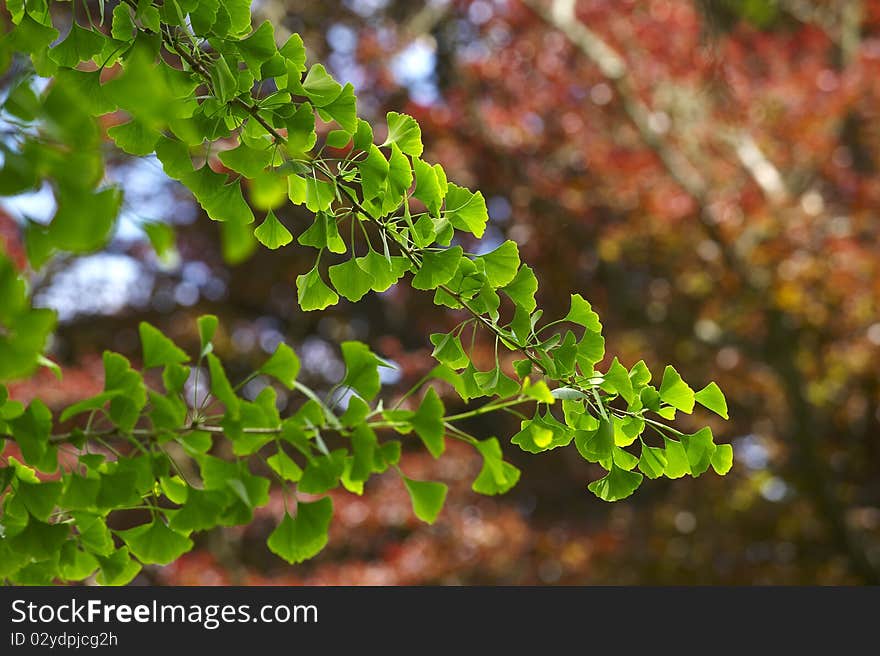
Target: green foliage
<point>271,233</point>
<point>56,520</point>
<point>24,330</point>
<point>299,538</point>
<point>427,498</point>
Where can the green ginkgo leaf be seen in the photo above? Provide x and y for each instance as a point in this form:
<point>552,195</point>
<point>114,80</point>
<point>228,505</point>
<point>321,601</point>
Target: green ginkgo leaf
<point>581,313</point>
<point>448,350</point>
<point>712,397</point>
<point>40,498</point>
<point>258,47</point>
<point>617,381</point>
<point>343,109</point>
<point>272,233</point>
<point>323,233</point>
<point>248,161</point>
<point>319,86</point>
<point>117,568</point>
<point>722,459</point>
<point>699,448</point>
<point>677,463</point>
<point>427,186</point>
<point>466,210</point>
<point>383,271</point>
<point>427,498</point>
<point>155,543</point>
<point>80,45</point>
<point>283,365</point>
<point>134,137</point>
<point>501,264</point>
<point>283,465</point>
<point>158,349</point>
<point>207,324</point>
<point>221,387</point>
<point>428,423</point>
<point>313,293</point>
<point>496,476</point>
<point>437,268</point>
<point>350,280</point>
<point>404,131</point>
<point>652,462</point>
<point>522,288</point>
<point>302,537</point>
<point>597,444</point>
<point>616,485</point>
<point>122,27</point>
<point>361,369</point>
<point>675,392</point>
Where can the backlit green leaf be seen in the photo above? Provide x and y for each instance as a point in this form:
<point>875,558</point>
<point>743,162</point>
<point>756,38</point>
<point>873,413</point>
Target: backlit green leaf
<point>39,498</point>
<point>501,264</point>
<point>319,86</point>
<point>81,44</point>
<point>313,293</point>
<point>302,537</point>
<point>84,219</point>
<point>283,465</point>
<point>404,131</point>
<point>427,186</point>
<point>712,398</point>
<point>675,392</point>
<point>301,136</point>
<point>221,201</point>
<point>597,444</point>
<point>427,498</point>
<point>323,233</point>
<point>207,324</point>
<point>283,365</point>
<point>250,162</point>
<point>542,433</point>
<point>323,472</point>
<point>448,350</point>
<point>616,485</point>
<point>617,381</point>
<point>200,512</point>
<point>32,430</point>
<point>258,47</point>
<point>437,268</point>
<point>428,422</point>
<point>134,137</point>
<point>722,459</point>
<point>382,271</point>
<point>161,236</point>
<point>581,313</point>
<point>699,448</point>
<point>522,288</point>
<point>118,568</point>
<point>652,462</point>
<point>343,109</point>
<point>272,233</point>
<point>350,280</point>
<point>361,369</point>
<point>155,543</point>
<point>466,210</point>
<point>158,349</point>
<point>496,476</point>
<point>122,26</point>
<point>221,387</point>
<point>295,53</point>
<point>677,463</point>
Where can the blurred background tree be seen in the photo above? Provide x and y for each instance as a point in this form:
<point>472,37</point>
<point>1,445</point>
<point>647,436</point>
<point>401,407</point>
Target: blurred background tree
<point>704,171</point>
